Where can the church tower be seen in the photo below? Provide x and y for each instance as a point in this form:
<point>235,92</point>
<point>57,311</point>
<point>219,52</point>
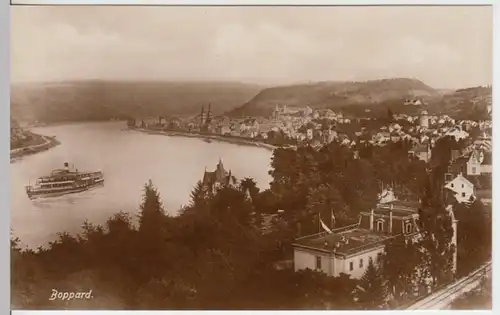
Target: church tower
<point>202,117</point>
<point>209,115</point>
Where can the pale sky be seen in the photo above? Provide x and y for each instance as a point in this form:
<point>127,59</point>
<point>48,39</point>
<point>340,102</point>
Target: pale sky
<point>446,47</point>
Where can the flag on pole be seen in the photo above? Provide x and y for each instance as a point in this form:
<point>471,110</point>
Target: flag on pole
<point>332,219</point>
<point>323,225</point>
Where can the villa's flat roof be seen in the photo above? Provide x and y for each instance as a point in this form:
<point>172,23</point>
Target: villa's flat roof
<point>358,240</point>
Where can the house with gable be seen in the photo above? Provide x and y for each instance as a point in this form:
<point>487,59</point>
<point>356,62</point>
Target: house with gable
<point>461,188</point>
<point>422,152</point>
<point>475,163</point>
<point>216,179</point>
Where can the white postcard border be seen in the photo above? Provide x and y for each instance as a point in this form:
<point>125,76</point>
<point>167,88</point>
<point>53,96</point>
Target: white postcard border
<point>4,125</point>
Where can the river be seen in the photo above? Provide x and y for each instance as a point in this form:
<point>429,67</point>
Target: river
<point>128,159</point>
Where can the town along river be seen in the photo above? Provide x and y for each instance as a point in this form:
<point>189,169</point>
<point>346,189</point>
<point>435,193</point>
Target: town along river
<point>128,159</point>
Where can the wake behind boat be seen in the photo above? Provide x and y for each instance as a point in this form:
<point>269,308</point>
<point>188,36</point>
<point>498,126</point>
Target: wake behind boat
<point>64,181</point>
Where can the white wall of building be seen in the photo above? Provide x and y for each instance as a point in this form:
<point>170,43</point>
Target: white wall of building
<point>485,169</point>
<point>462,188</point>
<point>358,271</point>
<point>305,259</point>
<point>334,265</point>
<point>473,168</point>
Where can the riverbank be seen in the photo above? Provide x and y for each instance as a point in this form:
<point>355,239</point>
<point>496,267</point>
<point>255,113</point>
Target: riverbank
<point>48,143</point>
<point>214,137</point>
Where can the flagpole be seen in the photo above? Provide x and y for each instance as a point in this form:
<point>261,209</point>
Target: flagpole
<point>319,223</point>
<point>331,217</point>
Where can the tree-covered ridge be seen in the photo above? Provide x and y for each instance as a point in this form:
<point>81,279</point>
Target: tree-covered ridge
<point>103,100</point>
<point>338,94</point>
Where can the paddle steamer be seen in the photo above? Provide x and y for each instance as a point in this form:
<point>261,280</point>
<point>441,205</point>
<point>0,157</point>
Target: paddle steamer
<point>64,181</point>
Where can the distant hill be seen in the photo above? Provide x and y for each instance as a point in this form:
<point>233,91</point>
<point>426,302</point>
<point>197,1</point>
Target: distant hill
<point>337,95</point>
<point>102,100</point>
<point>469,103</point>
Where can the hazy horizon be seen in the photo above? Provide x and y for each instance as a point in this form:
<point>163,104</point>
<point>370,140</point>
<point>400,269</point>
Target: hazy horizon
<point>444,47</point>
<point>194,81</point>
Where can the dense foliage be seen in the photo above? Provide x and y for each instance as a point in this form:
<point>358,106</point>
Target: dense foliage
<point>222,253</point>
<point>372,291</point>
<point>308,182</point>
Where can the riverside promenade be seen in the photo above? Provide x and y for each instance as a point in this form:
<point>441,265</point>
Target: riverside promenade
<point>214,137</point>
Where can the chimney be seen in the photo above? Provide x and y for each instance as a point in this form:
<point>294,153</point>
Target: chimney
<point>390,219</point>
<point>371,219</point>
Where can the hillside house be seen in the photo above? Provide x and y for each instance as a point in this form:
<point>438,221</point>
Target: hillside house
<point>486,162</point>
<point>422,151</point>
<point>414,102</point>
<point>224,130</point>
<point>461,188</point>
<point>329,135</point>
<point>457,133</point>
<point>475,163</point>
<point>309,134</point>
<point>395,137</point>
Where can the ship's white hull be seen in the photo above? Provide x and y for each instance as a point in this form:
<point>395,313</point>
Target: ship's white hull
<point>46,193</point>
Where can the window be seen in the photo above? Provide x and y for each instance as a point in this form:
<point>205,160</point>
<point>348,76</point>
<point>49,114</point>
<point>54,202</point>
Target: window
<point>370,259</point>
<point>462,185</point>
<point>463,194</point>
<point>361,263</point>
<point>452,185</point>
<point>318,262</point>
<point>408,228</point>
<point>351,266</point>
<point>379,257</point>
<point>473,170</point>
<point>449,169</point>
<point>380,226</point>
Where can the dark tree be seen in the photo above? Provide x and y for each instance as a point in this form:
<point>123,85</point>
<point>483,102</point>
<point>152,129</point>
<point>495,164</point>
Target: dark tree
<point>372,290</point>
<point>474,236</point>
<point>400,266</point>
<point>152,233</point>
<point>390,115</point>
<point>436,222</point>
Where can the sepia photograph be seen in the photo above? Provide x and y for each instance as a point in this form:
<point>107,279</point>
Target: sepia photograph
<point>251,157</point>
